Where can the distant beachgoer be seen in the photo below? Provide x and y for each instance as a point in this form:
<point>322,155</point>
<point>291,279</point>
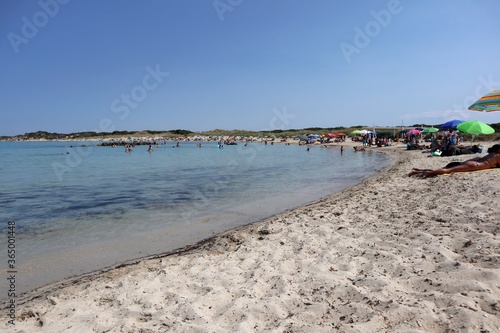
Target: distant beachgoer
<point>359,148</point>
<point>341,149</point>
<point>150,149</point>
<point>492,160</point>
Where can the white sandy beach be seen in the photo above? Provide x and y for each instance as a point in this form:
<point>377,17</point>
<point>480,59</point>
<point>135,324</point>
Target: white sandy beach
<point>394,254</point>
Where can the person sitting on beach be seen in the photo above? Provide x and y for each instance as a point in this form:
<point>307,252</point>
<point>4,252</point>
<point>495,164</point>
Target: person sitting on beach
<point>489,161</point>
<point>435,145</point>
<point>413,145</point>
<point>461,150</point>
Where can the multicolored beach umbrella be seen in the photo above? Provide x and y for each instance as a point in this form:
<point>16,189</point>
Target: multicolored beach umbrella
<point>487,103</point>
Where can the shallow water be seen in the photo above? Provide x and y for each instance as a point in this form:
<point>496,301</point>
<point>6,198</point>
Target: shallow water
<point>79,207</point>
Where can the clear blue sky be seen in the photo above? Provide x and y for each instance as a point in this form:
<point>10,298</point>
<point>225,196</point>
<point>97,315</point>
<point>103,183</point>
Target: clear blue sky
<point>69,66</point>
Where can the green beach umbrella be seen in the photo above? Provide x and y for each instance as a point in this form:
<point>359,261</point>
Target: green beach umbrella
<point>475,127</point>
<point>430,130</point>
<point>355,132</point>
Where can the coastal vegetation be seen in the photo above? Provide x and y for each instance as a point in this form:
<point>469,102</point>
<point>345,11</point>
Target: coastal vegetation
<point>277,133</point>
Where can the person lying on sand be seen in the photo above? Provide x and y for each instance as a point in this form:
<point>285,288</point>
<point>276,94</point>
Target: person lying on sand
<point>492,160</point>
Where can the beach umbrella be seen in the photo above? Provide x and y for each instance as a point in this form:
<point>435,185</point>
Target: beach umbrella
<point>413,132</point>
<point>452,124</point>
<point>430,130</point>
<point>487,103</point>
<point>363,132</point>
<point>475,127</point>
<point>355,132</point>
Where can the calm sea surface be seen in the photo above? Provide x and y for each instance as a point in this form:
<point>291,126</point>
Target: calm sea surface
<point>79,207</point>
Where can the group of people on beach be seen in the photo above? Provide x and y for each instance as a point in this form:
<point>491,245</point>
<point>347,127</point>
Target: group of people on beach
<point>489,161</point>
<point>444,145</point>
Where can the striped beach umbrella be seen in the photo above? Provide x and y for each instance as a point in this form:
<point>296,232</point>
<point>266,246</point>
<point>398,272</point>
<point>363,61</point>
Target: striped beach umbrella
<point>487,103</point>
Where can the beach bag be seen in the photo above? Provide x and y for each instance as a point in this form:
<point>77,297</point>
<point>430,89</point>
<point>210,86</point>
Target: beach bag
<point>437,153</point>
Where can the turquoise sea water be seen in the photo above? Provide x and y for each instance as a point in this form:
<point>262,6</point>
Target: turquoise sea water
<point>79,207</point>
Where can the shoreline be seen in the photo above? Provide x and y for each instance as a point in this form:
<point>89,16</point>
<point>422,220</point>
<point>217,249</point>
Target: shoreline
<point>40,268</point>
<point>357,260</point>
<point>184,244</point>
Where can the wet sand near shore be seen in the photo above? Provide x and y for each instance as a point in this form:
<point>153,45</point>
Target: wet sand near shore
<point>393,254</point>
